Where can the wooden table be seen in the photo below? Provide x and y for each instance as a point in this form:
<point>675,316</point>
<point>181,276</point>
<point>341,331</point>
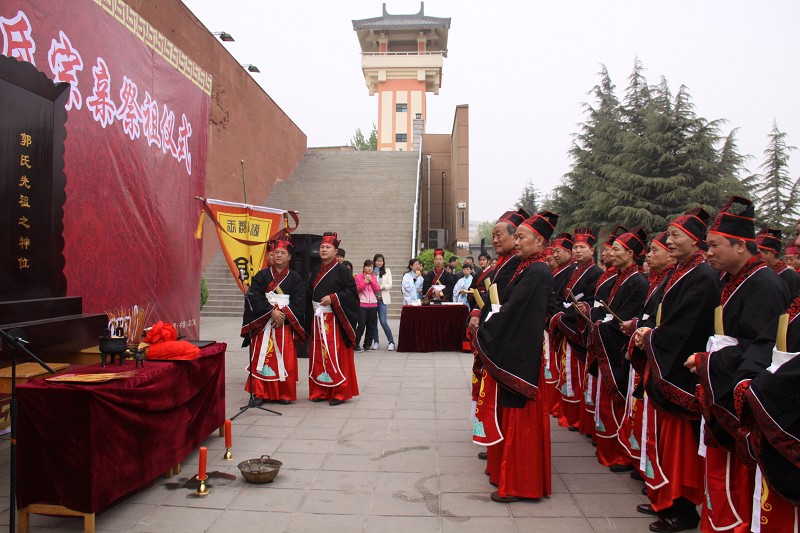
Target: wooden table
<point>432,328</point>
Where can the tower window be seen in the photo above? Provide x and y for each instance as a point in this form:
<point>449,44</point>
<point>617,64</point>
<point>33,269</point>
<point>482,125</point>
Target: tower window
<point>401,108</point>
<point>400,137</point>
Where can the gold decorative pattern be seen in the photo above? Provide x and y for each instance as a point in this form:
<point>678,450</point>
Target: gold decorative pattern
<point>125,15</point>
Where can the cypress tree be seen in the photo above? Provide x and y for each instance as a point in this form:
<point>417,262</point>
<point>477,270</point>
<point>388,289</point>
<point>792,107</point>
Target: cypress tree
<point>776,191</point>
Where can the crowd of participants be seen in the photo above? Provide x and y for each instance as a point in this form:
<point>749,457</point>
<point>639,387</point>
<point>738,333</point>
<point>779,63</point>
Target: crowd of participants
<point>446,281</point>
<point>674,355</point>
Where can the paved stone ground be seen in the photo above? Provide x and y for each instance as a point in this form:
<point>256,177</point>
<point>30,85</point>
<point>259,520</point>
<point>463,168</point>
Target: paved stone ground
<point>398,458</point>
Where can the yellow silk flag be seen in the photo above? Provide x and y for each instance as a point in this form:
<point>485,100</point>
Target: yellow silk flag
<point>243,232</point>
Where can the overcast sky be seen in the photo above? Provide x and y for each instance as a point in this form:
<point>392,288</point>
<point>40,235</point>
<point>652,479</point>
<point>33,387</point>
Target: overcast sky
<point>524,68</point>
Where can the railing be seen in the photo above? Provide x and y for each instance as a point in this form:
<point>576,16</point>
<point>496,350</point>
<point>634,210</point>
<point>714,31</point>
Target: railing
<point>415,53</point>
<point>415,226</point>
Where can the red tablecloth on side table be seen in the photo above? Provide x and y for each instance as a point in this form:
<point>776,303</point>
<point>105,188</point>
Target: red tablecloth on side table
<point>432,328</point>
<point>84,446</point>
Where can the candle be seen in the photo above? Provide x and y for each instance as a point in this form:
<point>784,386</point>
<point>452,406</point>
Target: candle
<point>228,434</point>
<point>201,474</point>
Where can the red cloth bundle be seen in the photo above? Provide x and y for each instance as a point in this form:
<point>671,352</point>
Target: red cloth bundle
<point>164,343</point>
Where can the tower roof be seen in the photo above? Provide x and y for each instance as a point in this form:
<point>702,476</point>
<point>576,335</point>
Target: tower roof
<point>387,23</point>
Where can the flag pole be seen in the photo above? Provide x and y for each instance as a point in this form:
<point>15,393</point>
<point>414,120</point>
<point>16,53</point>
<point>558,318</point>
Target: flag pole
<point>244,183</point>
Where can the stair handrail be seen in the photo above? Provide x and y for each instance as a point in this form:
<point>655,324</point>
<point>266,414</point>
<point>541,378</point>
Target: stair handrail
<point>415,225</point>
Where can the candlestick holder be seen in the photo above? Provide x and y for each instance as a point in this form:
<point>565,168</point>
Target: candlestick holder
<point>202,490</point>
<point>228,455</point>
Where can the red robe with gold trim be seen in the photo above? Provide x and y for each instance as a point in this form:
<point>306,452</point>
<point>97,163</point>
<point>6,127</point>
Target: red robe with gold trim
<point>332,369</point>
<point>275,378</point>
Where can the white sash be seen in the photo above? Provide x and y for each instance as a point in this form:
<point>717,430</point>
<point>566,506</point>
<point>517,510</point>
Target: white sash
<point>281,300</point>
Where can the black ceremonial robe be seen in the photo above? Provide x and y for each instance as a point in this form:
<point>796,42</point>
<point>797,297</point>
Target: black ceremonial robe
<point>750,302</point>
<point>257,309</point>
<point>510,342</point>
<point>789,276</point>
<point>501,276</point>
<point>561,277</point>
<point>567,319</point>
<point>339,283</point>
<point>769,407</point>
<point>609,345</point>
<point>439,278</point>
<point>687,320</point>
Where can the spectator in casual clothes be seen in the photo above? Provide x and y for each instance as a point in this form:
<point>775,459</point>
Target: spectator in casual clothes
<point>453,264</point>
<point>384,276</point>
<point>368,288</point>
<point>412,282</point>
<point>348,264</point>
<point>460,291</point>
<point>340,256</point>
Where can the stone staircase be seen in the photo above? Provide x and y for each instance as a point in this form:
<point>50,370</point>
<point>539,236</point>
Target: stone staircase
<point>367,197</point>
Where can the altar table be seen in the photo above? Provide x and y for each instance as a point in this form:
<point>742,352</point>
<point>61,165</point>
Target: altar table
<point>84,446</point>
<point>432,328</point>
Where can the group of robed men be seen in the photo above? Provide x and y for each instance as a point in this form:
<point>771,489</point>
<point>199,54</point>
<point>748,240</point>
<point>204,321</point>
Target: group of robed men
<point>281,309</point>
<point>686,376</point>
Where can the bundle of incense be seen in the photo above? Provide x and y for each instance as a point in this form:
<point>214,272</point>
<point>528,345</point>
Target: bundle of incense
<point>478,299</point>
<point>783,326</point>
<point>610,312</point>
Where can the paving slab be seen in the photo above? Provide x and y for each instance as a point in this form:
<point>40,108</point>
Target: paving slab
<point>398,458</point>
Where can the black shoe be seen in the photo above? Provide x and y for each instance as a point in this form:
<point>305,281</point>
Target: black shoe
<point>317,400</point>
<point>482,455</point>
<point>636,475</point>
<point>358,349</point>
<point>258,402</point>
<point>669,524</point>
<point>572,428</point>
<point>284,402</point>
<point>646,508</point>
<point>620,469</point>
<point>336,402</point>
<point>503,499</point>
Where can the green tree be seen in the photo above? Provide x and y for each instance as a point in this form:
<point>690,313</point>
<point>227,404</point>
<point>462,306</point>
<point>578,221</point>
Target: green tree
<point>362,144</point>
<point>485,229</point>
<point>598,140</point>
<point>776,191</point>
<point>529,199</point>
<point>646,160</point>
<point>426,258</point>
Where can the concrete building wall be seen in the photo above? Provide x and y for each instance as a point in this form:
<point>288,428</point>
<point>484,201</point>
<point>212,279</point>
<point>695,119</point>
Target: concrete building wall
<point>244,122</point>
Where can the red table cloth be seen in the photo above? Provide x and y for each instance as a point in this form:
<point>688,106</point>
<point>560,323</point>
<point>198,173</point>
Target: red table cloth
<point>432,328</point>
<point>84,446</point>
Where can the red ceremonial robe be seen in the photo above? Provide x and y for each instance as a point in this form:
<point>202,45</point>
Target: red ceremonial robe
<point>509,345</point>
<point>332,370</point>
<point>272,350</point>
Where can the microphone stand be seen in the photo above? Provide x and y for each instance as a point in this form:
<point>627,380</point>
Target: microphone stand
<point>14,340</point>
<point>251,403</point>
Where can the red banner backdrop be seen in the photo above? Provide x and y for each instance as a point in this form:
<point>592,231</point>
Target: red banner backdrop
<point>135,153</point>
